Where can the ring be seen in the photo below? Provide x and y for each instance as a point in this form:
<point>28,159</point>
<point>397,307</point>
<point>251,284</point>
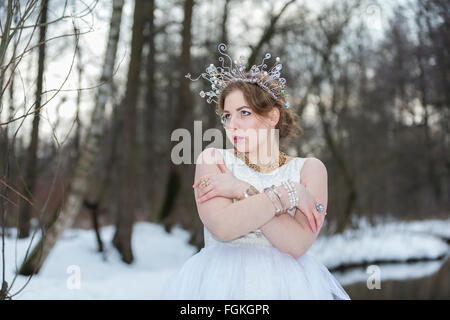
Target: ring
<point>320,207</point>
<point>205,182</point>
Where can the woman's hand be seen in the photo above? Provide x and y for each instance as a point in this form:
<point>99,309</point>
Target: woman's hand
<point>224,184</point>
<point>307,206</point>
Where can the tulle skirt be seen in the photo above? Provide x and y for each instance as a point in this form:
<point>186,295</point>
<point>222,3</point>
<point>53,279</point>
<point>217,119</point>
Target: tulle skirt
<point>241,271</point>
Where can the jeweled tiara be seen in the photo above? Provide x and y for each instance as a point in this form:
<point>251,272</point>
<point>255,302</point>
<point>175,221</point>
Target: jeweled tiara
<point>221,77</point>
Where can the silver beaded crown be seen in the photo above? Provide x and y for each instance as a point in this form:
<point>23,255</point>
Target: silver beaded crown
<point>221,77</point>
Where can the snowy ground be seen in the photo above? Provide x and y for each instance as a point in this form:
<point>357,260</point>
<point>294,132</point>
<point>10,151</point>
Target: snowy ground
<point>397,241</point>
<point>75,270</point>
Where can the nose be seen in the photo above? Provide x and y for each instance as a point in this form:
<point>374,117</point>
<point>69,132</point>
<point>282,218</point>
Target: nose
<point>232,123</point>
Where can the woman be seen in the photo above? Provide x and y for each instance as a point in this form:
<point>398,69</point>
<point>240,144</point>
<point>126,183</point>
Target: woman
<point>261,209</point>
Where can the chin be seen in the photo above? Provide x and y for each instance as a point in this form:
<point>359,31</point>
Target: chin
<point>240,148</point>
<point>243,147</point>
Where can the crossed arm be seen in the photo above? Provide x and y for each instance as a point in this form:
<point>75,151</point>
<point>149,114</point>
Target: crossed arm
<point>291,235</point>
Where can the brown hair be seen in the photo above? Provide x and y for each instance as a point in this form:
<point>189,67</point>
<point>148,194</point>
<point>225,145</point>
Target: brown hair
<point>262,102</point>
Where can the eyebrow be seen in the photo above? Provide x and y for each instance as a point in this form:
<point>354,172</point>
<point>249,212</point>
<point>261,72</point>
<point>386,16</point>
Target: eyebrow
<point>238,109</point>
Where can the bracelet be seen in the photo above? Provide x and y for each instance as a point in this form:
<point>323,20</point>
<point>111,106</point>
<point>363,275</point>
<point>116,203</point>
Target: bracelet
<point>279,197</point>
<point>273,198</point>
<point>291,192</point>
<point>292,213</point>
<point>293,197</point>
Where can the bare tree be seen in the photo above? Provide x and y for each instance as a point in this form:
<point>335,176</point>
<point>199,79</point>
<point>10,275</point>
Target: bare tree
<point>128,160</point>
<point>324,39</point>
<point>151,105</point>
<point>89,152</point>
<point>173,209</point>
<point>31,166</point>
<point>268,32</point>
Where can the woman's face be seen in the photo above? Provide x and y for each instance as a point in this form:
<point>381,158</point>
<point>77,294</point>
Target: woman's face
<point>244,128</point>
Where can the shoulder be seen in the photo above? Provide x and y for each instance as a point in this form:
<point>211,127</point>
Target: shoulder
<point>210,156</point>
<point>313,168</point>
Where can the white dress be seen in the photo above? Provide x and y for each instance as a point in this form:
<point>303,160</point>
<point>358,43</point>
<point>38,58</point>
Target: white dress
<point>250,267</point>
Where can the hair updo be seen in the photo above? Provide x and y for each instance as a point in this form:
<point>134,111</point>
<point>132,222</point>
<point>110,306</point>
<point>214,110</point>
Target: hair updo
<point>261,102</point>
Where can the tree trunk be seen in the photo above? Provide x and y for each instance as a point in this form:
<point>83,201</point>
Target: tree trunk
<point>77,139</point>
<point>433,176</point>
<point>224,32</point>
<point>129,169</point>
<point>173,209</point>
<point>25,210</point>
<point>3,132</point>
<point>82,175</point>
<point>350,200</point>
<point>150,111</point>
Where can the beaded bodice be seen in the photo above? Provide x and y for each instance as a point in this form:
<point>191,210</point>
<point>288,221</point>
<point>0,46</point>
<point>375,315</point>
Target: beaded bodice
<point>290,170</point>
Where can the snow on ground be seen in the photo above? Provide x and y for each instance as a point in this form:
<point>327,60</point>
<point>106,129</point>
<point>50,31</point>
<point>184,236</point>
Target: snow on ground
<point>390,271</point>
<point>157,255</point>
<point>393,241</point>
<point>75,270</point>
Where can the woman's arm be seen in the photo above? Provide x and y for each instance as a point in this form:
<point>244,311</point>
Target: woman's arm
<point>288,235</point>
<point>223,218</point>
<point>293,235</point>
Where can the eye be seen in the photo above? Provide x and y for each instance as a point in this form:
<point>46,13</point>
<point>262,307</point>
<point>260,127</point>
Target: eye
<point>224,118</point>
<point>227,116</point>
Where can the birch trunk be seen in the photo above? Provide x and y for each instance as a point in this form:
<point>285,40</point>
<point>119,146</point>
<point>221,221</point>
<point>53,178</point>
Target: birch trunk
<point>89,151</point>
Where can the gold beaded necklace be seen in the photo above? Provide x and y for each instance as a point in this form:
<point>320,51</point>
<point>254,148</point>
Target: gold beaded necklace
<point>263,169</point>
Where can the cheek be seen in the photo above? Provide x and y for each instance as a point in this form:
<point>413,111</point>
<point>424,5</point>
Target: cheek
<point>252,123</point>
<point>255,131</point>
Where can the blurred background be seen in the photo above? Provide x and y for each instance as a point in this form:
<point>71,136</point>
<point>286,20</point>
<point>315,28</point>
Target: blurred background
<point>91,92</point>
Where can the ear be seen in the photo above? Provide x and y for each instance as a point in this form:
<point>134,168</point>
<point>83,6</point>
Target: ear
<point>275,116</point>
